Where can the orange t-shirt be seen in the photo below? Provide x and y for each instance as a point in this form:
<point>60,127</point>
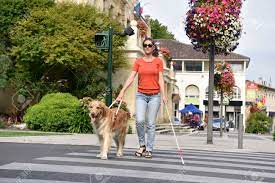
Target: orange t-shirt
<point>148,74</point>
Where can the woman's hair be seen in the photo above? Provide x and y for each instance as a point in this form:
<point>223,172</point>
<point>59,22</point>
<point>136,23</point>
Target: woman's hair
<point>155,51</point>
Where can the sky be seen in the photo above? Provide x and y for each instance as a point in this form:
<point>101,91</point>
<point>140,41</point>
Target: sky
<point>258,36</point>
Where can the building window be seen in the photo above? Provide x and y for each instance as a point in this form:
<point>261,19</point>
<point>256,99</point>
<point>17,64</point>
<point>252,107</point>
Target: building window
<point>177,65</point>
<point>192,91</point>
<point>236,93</point>
<point>237,67</point>
<point>192,66</point>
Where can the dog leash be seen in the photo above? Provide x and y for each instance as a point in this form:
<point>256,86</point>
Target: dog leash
<point>179,150</point>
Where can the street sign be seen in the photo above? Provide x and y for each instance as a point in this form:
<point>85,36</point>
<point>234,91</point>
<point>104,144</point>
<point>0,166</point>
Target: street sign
<point>102,40</point>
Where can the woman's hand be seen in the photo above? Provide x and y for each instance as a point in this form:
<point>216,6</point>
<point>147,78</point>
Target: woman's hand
<point>164,99</point>
<point>120,96</point>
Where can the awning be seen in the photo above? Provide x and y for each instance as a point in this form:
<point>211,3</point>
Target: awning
<point>191,108</point>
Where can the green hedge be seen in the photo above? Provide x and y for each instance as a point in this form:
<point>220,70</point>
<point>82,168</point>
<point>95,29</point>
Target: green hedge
<point>58,112</point>
<point>258,122</point>
<point>274,136</point>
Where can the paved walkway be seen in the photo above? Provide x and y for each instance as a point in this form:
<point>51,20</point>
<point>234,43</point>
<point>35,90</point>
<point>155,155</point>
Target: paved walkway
<point>228,143</point>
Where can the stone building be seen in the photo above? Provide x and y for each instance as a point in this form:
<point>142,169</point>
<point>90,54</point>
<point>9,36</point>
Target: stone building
<point>262,95</point>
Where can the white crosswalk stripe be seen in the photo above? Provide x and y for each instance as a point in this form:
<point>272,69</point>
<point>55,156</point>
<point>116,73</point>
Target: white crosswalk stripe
<point>201,166</point>
<point>15,180</point>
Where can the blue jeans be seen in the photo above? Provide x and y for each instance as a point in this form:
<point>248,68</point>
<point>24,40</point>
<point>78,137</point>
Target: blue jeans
<point>146,104</point>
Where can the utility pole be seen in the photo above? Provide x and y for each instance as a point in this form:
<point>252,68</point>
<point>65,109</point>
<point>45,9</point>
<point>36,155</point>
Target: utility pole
<point>210,94</point>
<point>221,114</point>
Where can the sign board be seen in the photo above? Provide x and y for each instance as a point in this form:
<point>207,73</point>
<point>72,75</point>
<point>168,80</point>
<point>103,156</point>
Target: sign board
<point>102,40</point>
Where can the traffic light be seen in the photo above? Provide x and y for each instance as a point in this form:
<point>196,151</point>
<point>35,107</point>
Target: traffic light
<point>102,40</point>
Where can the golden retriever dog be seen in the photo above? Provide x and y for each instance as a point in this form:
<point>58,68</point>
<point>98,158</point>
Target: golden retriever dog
<point>108,126</point>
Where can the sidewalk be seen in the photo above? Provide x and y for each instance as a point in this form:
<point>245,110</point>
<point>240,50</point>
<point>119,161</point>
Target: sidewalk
<point>228,143</point>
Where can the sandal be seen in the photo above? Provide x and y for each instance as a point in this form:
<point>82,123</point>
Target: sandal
<point>141,150</point>
<point>148,154</point>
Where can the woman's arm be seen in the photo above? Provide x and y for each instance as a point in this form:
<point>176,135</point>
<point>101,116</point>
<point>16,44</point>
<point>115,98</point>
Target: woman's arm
<point>161,85</point>
<point>128,82</point>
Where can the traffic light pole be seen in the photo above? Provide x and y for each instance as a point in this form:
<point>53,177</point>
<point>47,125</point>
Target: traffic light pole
<point>110,64</point>
<point>104,41</point>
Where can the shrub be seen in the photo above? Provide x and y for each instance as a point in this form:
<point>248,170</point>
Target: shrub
<point>2,124</point>
<point>274,136</point>
<point>130,131</point>
<point>58,112</point>
<point>258,122</point>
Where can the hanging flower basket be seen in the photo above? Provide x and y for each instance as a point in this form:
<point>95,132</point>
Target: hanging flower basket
<point>166,53</point>
<point>224,78</point>
<point>214,22</point>
<point>143,28</point>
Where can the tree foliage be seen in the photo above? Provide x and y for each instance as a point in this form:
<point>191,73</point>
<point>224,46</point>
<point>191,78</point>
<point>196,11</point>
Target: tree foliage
<point>160,31</point>
<point>12,11</point>
<point>53,48</point>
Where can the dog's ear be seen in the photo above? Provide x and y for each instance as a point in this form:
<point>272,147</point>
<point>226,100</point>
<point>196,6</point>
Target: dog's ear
<point>104,109</point>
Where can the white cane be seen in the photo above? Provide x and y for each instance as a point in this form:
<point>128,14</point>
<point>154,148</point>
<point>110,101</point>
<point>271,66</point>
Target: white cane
<point>180,151</point>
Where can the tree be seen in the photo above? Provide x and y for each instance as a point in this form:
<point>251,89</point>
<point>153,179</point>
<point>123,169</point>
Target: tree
<point>213,26</point>
<point>53,49</point>
<point>160,31</point>
<point>12,11</point>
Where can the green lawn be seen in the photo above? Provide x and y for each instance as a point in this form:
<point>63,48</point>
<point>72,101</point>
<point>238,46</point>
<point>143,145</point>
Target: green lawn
<point>24,133</point>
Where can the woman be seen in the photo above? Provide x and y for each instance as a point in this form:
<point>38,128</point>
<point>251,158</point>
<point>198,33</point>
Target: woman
<point>150,85</point>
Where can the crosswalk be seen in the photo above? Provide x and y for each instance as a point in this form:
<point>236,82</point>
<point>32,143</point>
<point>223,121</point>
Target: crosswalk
<point>165,167</point>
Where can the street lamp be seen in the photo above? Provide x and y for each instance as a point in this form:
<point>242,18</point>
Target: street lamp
<point>104,41</point>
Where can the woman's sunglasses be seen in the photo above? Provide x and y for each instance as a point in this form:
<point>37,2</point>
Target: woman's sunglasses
<point>147,45</point>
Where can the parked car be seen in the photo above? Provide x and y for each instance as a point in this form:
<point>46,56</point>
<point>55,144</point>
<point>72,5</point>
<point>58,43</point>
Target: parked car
<point>216,124</point>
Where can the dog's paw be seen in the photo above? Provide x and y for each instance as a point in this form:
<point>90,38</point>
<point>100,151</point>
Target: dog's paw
<point>98,155</point>
<point>104,157</point>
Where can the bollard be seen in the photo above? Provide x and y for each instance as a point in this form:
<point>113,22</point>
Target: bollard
<point>240,132</point>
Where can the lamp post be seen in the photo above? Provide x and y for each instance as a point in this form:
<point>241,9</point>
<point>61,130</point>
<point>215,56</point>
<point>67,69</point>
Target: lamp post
<point>104,41</point>
<point>210,94</point>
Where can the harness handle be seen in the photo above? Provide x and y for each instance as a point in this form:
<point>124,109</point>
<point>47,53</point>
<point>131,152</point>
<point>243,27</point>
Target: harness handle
<point>118,106</point>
